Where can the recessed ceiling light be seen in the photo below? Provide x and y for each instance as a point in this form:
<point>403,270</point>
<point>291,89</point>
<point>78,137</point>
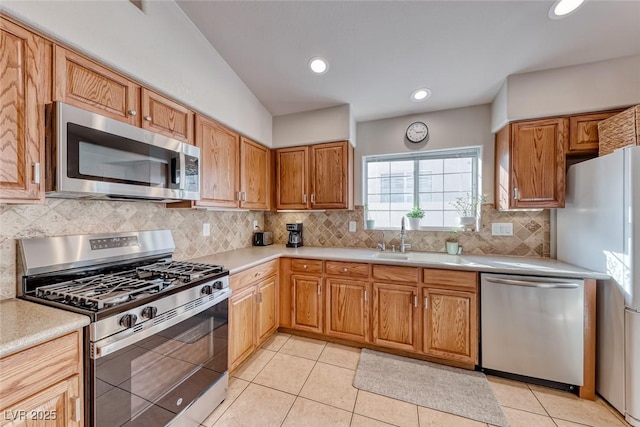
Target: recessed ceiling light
<point>318,65</point>
<point>562,8</point>
<point>421,94</point>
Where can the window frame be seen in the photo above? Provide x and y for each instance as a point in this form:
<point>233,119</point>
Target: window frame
<point>448,153</point>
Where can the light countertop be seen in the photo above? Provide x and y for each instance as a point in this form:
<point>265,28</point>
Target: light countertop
<point>241,259</point>
<point>24,324</point>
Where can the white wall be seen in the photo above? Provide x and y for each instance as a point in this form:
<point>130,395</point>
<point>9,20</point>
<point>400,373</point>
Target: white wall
<point>309,127</point>
<point>461,127</point>
<point>159,47</point>
<point>567,90</point>
<point>499,105</point>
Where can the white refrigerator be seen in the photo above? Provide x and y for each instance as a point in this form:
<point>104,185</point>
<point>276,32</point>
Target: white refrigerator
<point>599,229</point>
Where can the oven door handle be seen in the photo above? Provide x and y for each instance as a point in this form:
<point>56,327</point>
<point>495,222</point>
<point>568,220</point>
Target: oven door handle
<point>128,337</point>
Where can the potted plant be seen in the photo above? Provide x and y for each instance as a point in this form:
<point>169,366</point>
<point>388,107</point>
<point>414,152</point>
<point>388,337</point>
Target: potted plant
<point>371,223</point>
<point>468,207</point>
<point>451,243</point>
<point>414,216</point>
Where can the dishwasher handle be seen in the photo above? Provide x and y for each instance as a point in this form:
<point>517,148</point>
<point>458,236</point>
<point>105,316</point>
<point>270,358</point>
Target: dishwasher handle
<point>534,284</point>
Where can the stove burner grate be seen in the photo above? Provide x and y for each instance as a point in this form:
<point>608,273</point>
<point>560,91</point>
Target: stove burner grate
<point>184,271</point>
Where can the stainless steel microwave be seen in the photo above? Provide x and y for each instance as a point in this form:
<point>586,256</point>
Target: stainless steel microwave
<point>92,156</point>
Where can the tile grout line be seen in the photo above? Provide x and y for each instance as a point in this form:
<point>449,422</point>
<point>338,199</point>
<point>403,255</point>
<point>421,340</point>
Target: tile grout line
<point>540,402</point>
<point>353,413</point>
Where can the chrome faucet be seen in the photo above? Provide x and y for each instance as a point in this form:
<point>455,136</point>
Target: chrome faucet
<point>403,246</point>
<point>382,246</point>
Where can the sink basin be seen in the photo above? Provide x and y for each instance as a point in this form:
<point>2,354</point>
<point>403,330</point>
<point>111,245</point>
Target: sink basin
<point>391,255</point>
<point>436,257</point>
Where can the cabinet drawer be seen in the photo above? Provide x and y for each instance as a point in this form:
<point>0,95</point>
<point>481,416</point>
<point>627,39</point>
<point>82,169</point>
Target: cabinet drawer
<point>26,372</point>
<point>252,275</point>
<point>460,279</point>
<point>306,265</point>
<point>395,274</point>
<point>348,269</point>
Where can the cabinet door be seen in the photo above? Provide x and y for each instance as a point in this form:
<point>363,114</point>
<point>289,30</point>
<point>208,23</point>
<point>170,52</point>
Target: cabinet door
<point>292,177</point>
<point>267,317</point>
<point>329,175</point>
<point>242,339</point>
<point>219,153</point>
<point>347,309</point>
<point>306,303</point>
<point>85,84</point>
<point>166,117</point>
<point>449,322</point>
<point>583,132</point>
<point>59,405</point>
<point>22,77</point>
<point>395,316</point>
<point>538,163</point>
<point>255,176</point>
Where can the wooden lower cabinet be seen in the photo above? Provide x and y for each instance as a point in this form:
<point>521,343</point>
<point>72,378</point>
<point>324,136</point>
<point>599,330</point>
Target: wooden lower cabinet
<point>42,385</point>
<point>56,406</point>
<point>253,311</point>
<point>347,309</point>
<point>267,316</point>
<point>395,316</point>
<point>449,324</point>
<point>242,340</point>
<point>306,303</point>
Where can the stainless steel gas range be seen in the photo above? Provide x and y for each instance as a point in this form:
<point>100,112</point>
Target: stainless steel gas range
<point>156,347</point>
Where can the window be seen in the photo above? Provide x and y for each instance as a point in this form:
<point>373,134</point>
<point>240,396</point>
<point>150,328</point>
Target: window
<point>393,184</point>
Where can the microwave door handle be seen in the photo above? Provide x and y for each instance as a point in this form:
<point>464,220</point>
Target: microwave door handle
<point>175,170</point>
<point>183,170</point>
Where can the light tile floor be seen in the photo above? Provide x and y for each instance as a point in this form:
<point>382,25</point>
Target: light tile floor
<point>293,381</point>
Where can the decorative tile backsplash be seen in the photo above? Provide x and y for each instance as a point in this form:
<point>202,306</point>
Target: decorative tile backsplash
<point>531,232</point>
<point>233,230</point>
<point>58,217</point>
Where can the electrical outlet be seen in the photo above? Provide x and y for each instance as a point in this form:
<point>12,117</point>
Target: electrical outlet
<point>255,225</point>
<point>206,229</point>
<point>352,226</point>
<point>501,229</point>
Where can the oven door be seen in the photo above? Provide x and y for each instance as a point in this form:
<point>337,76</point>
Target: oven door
<point>158,380</point>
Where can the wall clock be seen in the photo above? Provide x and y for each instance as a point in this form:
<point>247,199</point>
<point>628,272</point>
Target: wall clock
<point>417,132</point>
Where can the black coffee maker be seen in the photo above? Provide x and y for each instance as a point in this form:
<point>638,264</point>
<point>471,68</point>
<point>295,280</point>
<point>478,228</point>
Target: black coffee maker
<point>295,235</point>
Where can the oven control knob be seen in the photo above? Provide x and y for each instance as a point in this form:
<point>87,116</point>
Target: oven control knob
<point>218,284</point>
<point>207,290</point>
<point>149,312</point>
<point>128,320</point>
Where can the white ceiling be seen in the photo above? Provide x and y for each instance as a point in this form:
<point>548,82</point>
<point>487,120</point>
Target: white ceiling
<point>381,51</point>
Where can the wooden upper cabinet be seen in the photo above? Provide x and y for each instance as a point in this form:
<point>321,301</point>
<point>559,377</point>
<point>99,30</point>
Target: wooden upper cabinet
<point>583,132</point>
<point>219,157</point>
<point>166,117</point>
<point>23,75</point>
<point>315,177</point>
<point>255,175</point>
<point>292,173</point>
<point>85,84</point>
<point>530,164</point>
<point>330,173</point>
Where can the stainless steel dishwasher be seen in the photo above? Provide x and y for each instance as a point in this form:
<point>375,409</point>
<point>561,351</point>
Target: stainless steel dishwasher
<point>533,326</point>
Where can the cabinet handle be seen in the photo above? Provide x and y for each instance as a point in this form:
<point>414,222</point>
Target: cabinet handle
<point>147,118</point>
<point>366,296</point>
<point>36,172</point>
<point>304,266</point>
<point>313,197</point>
<point>259,297</point>
<point>319,289</point>
<point>415,301</point>
<point>304,198</point>
<point>133,113</point>
<point>426,303</point>
<point>258,274</point>
<point>244,196</point>
<point>345,269</point>
<point>77,409</point>
<point>516,194</point>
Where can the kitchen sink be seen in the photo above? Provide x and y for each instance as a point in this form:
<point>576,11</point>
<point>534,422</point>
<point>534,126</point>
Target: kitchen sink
<point>437,257</point>
<point>391,255</point>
